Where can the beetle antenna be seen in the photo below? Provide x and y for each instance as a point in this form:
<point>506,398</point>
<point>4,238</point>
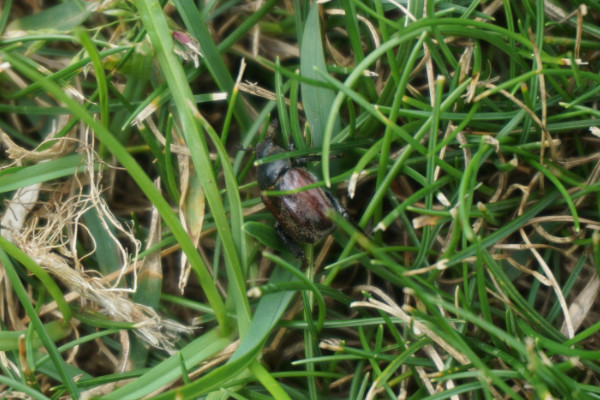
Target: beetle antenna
<point>274,125</point>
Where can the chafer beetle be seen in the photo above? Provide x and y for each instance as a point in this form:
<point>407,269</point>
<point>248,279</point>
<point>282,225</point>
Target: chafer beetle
<point>302,217</point>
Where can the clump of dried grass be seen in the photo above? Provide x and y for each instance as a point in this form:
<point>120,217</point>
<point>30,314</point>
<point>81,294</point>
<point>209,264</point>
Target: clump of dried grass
<point>46,222</point>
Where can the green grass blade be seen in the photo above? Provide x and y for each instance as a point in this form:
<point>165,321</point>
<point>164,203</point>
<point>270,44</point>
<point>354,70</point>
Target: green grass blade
<point>50,285</point>
<point>21,293</point>
<point>316,101</point>
<point>100,75</point>
<point>167,371</point>
<point>16,177</point>
<point>212,58</point>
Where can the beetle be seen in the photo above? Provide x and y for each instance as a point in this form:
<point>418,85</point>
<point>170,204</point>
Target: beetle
<point>302,217</point>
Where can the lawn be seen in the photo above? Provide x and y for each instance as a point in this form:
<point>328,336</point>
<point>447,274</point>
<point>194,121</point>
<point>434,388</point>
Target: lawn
<point>137,259</point>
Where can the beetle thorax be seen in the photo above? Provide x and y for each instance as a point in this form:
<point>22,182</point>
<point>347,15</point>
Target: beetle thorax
<point>269,174</point>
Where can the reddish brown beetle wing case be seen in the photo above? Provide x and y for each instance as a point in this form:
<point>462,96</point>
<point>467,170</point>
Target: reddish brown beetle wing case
<point>302,215</point>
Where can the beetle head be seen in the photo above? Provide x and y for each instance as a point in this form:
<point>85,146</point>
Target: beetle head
<point>266,148</point>
<point>267,174</point>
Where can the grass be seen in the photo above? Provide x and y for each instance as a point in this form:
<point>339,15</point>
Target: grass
<point>137,258</point>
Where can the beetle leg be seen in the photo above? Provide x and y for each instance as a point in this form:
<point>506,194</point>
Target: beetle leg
<point>301,161</point>
<point>292,246</point>
<point>337,206</point>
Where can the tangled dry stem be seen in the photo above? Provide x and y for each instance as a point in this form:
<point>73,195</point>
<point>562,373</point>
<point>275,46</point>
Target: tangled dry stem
<point>50,235</point>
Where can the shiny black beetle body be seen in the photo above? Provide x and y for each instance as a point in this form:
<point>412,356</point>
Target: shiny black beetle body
<point>302,217</point>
